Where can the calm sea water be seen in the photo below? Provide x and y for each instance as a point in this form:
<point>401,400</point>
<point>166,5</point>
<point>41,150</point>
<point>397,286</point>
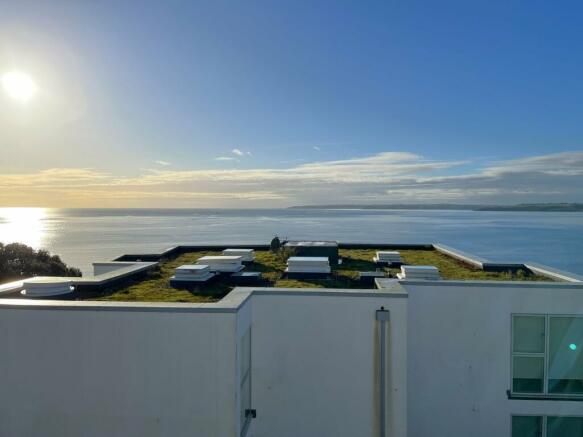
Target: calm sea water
<point>81,236</point>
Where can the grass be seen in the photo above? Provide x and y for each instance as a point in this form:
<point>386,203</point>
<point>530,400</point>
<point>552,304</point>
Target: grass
<point>156,288</point>
<point>451,268</point>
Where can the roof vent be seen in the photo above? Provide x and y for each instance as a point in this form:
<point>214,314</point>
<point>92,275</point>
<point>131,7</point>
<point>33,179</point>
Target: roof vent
<point>247,255</point>
<point>308,264</point>
<point>388,258</point>
<point>222,264</point>
<point>191,273</point>
<point>428,273</point>
<point>45,287</point>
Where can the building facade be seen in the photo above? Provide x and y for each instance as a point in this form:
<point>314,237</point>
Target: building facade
<point>412,358</point>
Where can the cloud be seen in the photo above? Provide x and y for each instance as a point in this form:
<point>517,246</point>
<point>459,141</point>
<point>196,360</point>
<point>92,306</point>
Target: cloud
<point>53,177</point>
<point>317,149</point>
<point>381,178</point>
<point>239,152</point>
<point>163,163</point>
<point>565,163</point>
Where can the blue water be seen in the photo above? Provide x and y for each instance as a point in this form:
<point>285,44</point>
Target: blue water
<point>82,236</point>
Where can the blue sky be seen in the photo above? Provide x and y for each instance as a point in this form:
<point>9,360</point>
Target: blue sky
<point>140,102</point>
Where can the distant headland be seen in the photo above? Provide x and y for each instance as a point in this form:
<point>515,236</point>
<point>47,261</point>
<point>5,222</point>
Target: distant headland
<point>533,207</point>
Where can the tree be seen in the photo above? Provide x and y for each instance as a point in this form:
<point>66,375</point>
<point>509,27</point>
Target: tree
<point>18,261</point>
<point>275,244</point>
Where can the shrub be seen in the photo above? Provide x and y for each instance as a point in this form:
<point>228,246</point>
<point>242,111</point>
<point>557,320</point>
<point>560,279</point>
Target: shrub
<point>18,261</point>
<point>286,253</point>
<point>275,244</point>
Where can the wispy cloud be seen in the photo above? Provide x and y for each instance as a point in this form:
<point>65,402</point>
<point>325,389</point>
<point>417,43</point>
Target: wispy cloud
<point>239,152</point>
<point>163,163</point>
<point>317,149</point>
<point>384,177</point>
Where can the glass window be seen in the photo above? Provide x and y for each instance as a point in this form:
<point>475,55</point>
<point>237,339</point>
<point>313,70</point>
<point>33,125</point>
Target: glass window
<point>547,355</point>
<point>527,426</point>
<point>529,334</point>
<point>564,426</point>
<point>565,355</point>
<point>528,375</point>
<point>547,426</point>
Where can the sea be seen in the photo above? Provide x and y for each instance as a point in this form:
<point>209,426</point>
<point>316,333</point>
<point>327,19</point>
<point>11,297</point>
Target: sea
<point>81,236</point>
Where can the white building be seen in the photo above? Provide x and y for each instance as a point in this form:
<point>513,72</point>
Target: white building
<point>411,358</point>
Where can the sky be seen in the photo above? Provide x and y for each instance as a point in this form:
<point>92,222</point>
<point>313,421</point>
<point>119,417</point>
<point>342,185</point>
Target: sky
<point>280,103</point>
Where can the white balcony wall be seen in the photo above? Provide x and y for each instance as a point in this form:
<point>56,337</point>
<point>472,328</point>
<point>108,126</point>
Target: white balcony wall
<point>78,372</point>
<point>114,369</point>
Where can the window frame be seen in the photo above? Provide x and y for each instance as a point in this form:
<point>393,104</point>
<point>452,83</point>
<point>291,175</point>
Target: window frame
<point>545,355</point>
<point>544,418</point>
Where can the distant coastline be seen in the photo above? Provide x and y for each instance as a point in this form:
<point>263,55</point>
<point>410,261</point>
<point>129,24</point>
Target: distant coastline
<point>529,207</point>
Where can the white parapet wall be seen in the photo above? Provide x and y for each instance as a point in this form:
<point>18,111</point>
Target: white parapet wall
<point>137,369</point>
<point>100,268</point>
<point>71,369</point>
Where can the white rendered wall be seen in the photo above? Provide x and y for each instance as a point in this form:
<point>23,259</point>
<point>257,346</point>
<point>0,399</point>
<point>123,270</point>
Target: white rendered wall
<point>127,372</point>
<point>459,357</point>
<point>315,366</point>
<point>70,373</point>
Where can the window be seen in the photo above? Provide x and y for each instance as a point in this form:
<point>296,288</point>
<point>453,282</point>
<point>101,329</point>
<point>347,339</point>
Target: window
<point>547,426</point>
<point>527,426</point>
<point>547,357</point>
<point>566,355</point>
<point>564,426</point>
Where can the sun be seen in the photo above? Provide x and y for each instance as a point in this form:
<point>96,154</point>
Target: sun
<point>19,86</point>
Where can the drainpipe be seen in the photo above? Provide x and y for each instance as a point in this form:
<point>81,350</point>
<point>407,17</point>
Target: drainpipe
<point>382,316</point>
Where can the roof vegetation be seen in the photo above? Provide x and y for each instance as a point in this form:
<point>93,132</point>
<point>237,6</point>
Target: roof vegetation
<point>155,286</point>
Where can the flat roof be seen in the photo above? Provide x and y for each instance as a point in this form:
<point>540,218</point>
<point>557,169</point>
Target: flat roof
<point>150,281</point>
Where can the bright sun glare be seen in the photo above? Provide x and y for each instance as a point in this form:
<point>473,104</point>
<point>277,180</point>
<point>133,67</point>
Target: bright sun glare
<point>23,225</point>
<point>19,86</point>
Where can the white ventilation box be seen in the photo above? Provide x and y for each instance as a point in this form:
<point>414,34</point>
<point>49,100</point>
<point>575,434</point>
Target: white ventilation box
<point>222,264</point>
<point>427,273</point>
<point>46,286</point>
<point>308,264</point>
<point>387,257</point>
<point>192,273</point>
<point>247,255</point>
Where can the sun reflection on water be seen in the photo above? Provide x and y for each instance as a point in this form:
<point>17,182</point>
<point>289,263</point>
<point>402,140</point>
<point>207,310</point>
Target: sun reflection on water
<point>23,225</point>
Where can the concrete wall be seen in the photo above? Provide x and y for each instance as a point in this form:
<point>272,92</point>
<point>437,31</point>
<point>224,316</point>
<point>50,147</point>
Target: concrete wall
<point>78,372</point>
<point>459,356</point>
<point>120,369</point>
<point>315,365</point>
